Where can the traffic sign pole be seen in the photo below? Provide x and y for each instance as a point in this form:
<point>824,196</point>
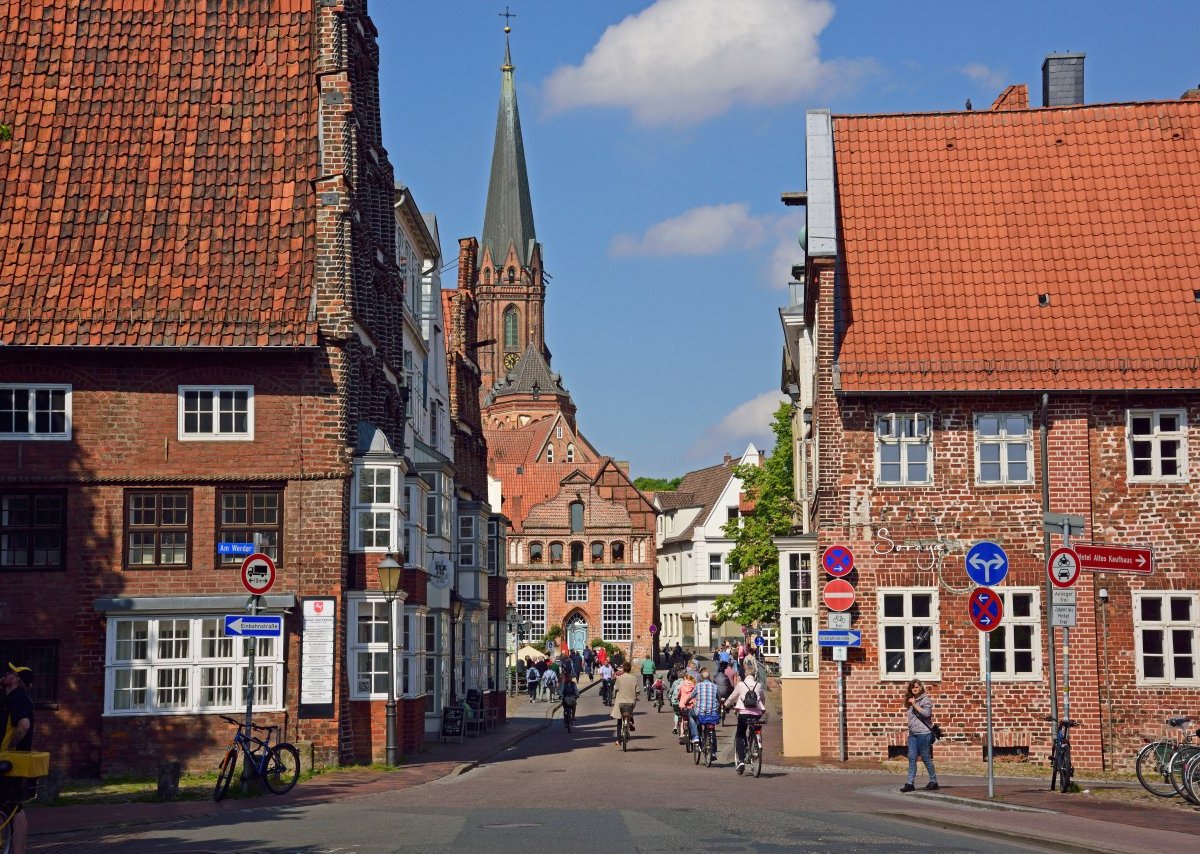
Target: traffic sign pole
<point>987,656</point>
<point>252,606</point>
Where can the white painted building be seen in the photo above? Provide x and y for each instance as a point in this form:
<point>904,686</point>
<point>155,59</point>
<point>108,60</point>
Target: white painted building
<point>692,548</point>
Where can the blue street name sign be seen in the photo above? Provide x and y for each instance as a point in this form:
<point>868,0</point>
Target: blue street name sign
<point>839,637</point>
<point>242,549</point>
<point>987,564</point>
<point>239,625</point>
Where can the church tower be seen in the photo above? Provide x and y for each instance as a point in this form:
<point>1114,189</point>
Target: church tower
<point>510,290</point>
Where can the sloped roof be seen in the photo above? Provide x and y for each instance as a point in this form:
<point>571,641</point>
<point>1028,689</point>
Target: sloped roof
<point>156,189</point>
<point>508,216</point>
<point>518,446</point>
<point>532,485</point>
<point>704,488</point>
<point>673,500</point>
<point>955,228</point>
<point>531,370</point>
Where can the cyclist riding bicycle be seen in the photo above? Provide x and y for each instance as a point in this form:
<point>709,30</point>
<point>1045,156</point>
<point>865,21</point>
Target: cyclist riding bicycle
<point>647,673</point>
<point>606,681</point>
<point>748,699</point>
<point>704,704</point>
<point>627,689</point>
<point>570,696</point>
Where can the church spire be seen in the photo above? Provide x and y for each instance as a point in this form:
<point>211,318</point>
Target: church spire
<point>508,218</point>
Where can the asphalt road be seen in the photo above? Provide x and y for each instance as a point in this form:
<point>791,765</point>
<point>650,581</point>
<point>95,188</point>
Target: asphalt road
<point>571,792</point>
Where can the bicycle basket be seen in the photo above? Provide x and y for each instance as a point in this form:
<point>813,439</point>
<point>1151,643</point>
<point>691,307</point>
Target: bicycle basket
<point>714,718</point>
<point>27,763</point>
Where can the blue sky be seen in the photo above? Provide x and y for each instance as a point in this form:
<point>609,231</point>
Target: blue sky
<point>659,136</point>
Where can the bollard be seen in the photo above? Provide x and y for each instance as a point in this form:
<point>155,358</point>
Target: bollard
<point>168,781</point>
<point>51,786</point>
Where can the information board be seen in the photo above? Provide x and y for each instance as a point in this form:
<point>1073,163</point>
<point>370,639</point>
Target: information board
<point>316,657</point>
<point>454,724</point>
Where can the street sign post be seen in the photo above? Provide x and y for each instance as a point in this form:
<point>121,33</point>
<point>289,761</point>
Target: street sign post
<point>1063,523</point>
<point>258,574</point>
<point>839,637</point>
<point>759,641</point>
<point>1063,567</point>
<point>838,621</point>
<point>1062,616</point>
<point>987,563</point>
<point>838,560</point>
<point>1104,557</point>
<point>838,595</point>
<point>239,625</point>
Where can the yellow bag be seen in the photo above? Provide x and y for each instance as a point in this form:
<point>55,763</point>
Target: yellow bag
<point>26,763</point>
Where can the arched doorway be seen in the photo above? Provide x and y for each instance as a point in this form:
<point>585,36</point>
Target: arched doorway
<point>576,631</point>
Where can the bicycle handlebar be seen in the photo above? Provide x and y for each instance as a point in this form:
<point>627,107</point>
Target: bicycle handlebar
<point>241,724</point>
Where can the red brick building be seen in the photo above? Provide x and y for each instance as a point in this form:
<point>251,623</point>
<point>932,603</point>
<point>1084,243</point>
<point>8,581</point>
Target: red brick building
<point>1003,306</point>
<point>199,320</point>
<point>581,544</point>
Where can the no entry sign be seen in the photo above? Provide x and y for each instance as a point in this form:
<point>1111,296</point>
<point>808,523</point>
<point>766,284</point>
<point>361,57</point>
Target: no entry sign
<point>838,595</point>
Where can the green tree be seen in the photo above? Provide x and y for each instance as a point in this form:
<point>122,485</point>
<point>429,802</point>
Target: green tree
<point>770,490</point>
<point>657,484</point>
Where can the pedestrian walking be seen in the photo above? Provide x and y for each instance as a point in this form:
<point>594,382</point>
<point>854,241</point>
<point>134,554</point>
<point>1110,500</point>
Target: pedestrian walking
<point>918,710</point>
<point>533,678</point>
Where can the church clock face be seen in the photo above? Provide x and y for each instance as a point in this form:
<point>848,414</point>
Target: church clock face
<point>510,361</point>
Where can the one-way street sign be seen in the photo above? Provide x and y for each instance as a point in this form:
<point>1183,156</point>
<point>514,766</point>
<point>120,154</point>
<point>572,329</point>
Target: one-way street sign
<point>839,637</point>
<point>1103,557</point>
<point>239,625</point>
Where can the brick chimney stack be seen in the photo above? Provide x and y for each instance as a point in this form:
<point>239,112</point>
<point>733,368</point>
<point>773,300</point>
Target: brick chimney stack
<point>728,459</point>
<point>1062,79</point>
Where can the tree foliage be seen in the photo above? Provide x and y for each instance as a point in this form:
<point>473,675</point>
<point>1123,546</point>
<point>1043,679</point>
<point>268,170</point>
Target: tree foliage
<point>770,489</point>
<point>657,484</point>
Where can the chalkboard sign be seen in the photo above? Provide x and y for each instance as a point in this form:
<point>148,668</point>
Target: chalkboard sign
<point>475,699</point>
<point>454,725</point>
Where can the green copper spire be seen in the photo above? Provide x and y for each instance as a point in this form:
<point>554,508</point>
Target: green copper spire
<point>508,218</point>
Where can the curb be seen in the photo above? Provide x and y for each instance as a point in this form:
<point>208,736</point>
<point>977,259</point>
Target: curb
<point>975,831</point>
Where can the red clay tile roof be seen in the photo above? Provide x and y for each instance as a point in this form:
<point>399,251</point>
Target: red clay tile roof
<point>534,485</point>
<point>952,225</point>
<point>1015,97</point>
<point>156,189</point>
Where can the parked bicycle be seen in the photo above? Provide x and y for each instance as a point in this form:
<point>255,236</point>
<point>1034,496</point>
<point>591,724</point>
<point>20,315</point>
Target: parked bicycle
<point>1190,778</point>
<point>278,764</point>
<point>1060,753</point>
<point>753,751</point>
<point>1157,760</point>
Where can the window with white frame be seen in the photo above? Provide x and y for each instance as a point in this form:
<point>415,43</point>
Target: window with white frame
<point>375,506</point>
<point>801,581</point>
<point>801,652</point>
<point>185,664</point>
<point>216,412</point>
<point>549,453</point>
<point>714,566</point>
<point>1016,642</point>
<point>616,612</point>
<point>367,650</point>
<point>414,520</point>
<point>35,412</point>
<point>770,636</point>
<point>412,645</point>
<point>1166,628</point>
<point>438,504</point>
<point>908,633</point>
<point>903,453</point>
<point>800,613</point>
<point>577,591</point>
<point>570,453</point>
<point>1157,445</point>
<point>531,605</point>
<point>1003,447</point>
<point>493,547</point>
<point>468,546</point>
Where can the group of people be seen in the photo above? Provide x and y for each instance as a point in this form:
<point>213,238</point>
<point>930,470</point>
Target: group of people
<point>698,695</point>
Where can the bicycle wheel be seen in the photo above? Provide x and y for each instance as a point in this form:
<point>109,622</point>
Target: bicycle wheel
<point>1175,766</point>
<point>624,734</point>
<point>698,748</point>
<point>754,754</point>
<point>1064,768</point>
<point>567,715</point>
<point>1191,779</point>
<point>710,747</point>
<point>282,768</point>
<point>1153,768</point>
<point>6,831</point>
<point>225,774</point>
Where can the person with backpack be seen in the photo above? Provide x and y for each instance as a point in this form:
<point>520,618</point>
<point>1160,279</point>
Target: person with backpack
<point>532,679</point>
<point>748,700</point>
<point>570,698</point>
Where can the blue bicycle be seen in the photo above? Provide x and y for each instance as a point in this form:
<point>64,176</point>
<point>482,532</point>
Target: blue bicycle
<point>1060,753</point>
<point>277,765</point>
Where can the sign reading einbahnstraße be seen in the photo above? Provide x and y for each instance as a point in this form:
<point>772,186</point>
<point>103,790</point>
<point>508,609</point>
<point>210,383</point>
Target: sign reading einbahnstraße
<point>1103,557</point>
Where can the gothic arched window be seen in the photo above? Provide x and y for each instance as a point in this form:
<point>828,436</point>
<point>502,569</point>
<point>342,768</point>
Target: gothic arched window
<point>510,328</point>
<point>549,453</point>
<point>570,453</point>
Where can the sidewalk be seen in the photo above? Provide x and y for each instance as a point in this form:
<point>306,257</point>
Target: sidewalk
<point>49,825</point>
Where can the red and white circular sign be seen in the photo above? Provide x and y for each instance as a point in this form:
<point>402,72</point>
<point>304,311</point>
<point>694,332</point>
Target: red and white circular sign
<point>838,595</point>
<point>258,574</point>
<point>1063,567</point>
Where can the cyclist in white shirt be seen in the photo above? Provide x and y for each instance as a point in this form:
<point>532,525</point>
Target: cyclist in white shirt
<point>606,679</point>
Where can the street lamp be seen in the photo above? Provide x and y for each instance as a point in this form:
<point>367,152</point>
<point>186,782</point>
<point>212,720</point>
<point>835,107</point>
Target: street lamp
<point>389,581</point>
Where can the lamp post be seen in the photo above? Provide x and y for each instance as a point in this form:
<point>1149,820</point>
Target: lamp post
<point>389,582</point>
<point>512,627</point>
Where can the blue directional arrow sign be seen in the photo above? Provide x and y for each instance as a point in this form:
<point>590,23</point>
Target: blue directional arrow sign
<point>839,637</point>
<point>239,625</point>
<point>987,564</point>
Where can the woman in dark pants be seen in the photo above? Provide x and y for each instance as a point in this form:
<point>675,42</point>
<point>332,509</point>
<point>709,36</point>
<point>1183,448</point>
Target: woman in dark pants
<point>918,709</point>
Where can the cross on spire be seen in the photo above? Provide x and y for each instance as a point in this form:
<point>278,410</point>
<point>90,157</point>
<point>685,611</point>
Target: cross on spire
<point>507,15</point>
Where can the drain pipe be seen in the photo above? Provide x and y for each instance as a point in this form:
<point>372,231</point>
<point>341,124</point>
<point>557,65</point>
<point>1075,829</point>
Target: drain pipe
<point>1050,646</point>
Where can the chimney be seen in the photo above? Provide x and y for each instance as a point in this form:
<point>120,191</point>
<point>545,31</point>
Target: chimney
<point>1062,79</point>
<point>728,459</point>
<point>1191,95</point>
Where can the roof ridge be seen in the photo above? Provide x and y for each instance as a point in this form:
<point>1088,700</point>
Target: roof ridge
<point>1009,112</point>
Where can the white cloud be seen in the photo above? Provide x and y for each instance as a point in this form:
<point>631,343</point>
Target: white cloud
<point>748,422</point>
<point>713,229</point>
<point>684,61</point>
<point>705,230</point>
<point>993,78</point>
